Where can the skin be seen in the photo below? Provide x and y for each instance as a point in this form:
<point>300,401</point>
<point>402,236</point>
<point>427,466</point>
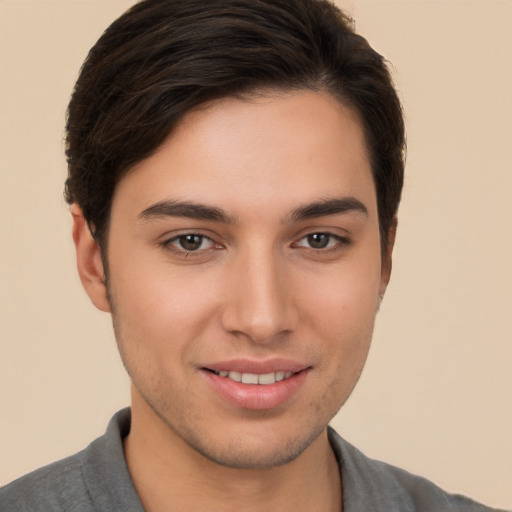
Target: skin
<point>258,284</point>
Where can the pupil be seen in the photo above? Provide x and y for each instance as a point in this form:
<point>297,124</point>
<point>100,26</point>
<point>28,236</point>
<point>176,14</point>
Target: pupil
<point>191,242</point>
<point>318,240</point>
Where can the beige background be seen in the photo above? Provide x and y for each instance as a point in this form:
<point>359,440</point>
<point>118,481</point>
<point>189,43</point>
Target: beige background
<point>436,396</point>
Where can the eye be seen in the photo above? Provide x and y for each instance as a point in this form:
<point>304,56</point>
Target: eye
<point>320,241</point>
<point>190,242</point>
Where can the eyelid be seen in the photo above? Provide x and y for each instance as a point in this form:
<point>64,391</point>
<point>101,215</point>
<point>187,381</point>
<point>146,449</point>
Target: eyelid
<point>171,242</point>
<point>339,241</point>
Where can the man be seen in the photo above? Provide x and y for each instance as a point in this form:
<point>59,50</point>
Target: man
<point>235,169</point>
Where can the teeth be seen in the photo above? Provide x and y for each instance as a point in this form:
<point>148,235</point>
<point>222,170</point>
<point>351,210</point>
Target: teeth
<point>235,376</point>
<point>249,378</point>
<point>254,378</point>
<point>267,378</point>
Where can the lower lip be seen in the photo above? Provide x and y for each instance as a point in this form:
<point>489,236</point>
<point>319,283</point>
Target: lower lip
<point>257,397</point>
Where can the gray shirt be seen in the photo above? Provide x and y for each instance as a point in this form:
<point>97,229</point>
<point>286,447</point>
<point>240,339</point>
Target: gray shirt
<point>97,479</point>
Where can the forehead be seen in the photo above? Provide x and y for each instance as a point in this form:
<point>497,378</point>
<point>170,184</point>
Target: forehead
<point>279,149</point>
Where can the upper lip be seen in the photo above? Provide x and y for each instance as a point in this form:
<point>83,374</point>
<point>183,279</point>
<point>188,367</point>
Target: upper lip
<point>257,367</point>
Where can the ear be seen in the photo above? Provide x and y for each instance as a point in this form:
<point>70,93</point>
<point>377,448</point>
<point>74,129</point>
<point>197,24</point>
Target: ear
<point>387,259</point>
<point>88,260</point>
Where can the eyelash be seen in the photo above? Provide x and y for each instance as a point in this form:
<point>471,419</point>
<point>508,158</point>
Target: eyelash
<point>334,243</point>
<point>172,244</point>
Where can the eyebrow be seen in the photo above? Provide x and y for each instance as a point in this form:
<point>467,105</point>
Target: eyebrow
<point>328,207</point>
<point>198,211</point>
<point>186,209</point>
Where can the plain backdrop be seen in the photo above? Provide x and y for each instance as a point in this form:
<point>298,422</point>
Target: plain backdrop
<point>436,395</point>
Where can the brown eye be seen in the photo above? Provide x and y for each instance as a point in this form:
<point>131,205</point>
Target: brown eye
<point>323,242</point>
<point>318,240</point>
<point>190,242</point>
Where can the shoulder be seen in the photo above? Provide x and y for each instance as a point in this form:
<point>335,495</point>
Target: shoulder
<point>58,486</point>
<point>373,485</point>
<point>94,479</point>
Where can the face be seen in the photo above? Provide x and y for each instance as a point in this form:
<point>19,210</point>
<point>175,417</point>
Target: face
<point>245,274</point>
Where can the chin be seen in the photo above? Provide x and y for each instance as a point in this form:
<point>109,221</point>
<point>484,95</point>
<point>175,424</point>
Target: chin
<point>243,452</point>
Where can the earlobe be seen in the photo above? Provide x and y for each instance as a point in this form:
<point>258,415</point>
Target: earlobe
<point>387,259</point>
<point>88,259</point>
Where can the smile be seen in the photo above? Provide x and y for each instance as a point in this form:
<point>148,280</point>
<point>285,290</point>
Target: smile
<point>255,378</point>
<point>254,390</point>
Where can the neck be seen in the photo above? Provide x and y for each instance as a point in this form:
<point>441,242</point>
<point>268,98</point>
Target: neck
<point>170,476</point>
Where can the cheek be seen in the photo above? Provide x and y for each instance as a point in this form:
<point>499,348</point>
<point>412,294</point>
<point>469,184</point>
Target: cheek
<point>346,302</point>
<point>160,310</point>
<point>343,314</point>
<point>346,319</point>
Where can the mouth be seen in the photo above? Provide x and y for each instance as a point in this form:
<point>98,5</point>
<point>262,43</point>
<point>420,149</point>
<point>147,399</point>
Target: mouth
<point>263,379</point>
<point>257,385</point>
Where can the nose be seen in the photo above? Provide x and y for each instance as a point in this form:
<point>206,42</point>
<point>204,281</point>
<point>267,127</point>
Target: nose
<point>259,303</point>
